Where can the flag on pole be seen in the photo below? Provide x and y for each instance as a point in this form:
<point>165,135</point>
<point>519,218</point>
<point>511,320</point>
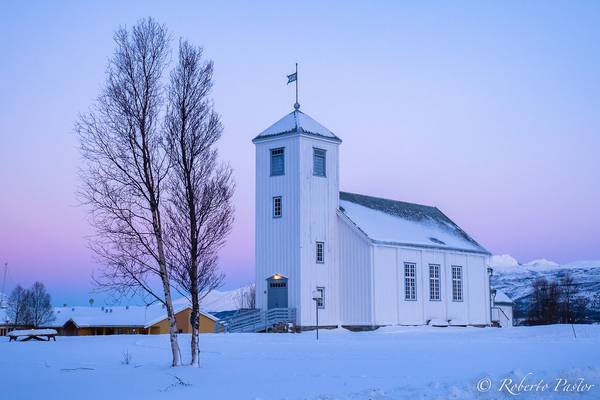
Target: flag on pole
<point>292,78</point>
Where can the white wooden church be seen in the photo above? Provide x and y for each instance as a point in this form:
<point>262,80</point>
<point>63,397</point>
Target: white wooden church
<point>373,261</point>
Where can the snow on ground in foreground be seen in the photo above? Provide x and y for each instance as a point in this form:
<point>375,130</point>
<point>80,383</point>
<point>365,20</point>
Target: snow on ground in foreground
<point>391,363</point>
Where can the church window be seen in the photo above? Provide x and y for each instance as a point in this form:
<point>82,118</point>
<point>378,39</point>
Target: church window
<point>434,282</point>
<point>319,162</point>
<point>410,284</point>
<point>457,289</point>
<point>320,251</point>
<point>277,161</point>
<point>277,207</point>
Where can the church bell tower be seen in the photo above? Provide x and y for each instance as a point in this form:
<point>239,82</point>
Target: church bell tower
<point>297,200</point>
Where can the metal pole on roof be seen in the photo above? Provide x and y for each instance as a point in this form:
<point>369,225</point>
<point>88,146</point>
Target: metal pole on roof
<point>294,78</point>
<point>297,105</point>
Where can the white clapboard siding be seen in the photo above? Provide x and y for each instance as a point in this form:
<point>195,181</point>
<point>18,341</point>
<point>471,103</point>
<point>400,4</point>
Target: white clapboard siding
<point>277,249</point>
<point>319,199</point>
<point>355,275</point>
<point>391,306</point>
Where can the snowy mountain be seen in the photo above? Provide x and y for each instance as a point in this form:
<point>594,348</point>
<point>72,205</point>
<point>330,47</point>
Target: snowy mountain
<point>515,279</point>
<point>543,262</point>
<point>218,300</point>
<point>503,261</point>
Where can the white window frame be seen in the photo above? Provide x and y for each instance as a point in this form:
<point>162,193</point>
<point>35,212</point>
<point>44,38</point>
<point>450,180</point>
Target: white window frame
<point>275,208</point>
<point>274,153</point>
<point>321,301</point>
<point>435,282</point>
<point>410,281</point>
<point>457,283</point>
<point>317,152</point>
<point>320,252</point>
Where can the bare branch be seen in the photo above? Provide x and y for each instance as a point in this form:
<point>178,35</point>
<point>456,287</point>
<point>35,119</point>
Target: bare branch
<point>125,165</point>
<point>200,190</point>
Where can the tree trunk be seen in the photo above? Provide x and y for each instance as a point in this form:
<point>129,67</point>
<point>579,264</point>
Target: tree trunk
<point>195,316</point>
<point>172,326</point>
<point>195,321</point>
<point>200,203</point>
<point>164,273</point>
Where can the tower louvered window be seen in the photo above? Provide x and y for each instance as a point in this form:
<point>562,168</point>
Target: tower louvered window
<point>319,162</point>
<point>277,161</point>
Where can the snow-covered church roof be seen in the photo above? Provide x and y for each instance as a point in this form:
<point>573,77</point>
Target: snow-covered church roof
<point>297,122</point>
<point>399,223</point>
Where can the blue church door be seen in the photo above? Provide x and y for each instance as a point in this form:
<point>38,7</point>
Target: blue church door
<point>277,291</point>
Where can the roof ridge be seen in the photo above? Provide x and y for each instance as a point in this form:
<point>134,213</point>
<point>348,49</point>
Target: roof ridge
<point>386,199</point>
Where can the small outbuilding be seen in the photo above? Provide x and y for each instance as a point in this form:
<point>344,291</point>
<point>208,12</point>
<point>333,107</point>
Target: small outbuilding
<point>6,325</point>
<point>4,322</point>
<point>502,312</point>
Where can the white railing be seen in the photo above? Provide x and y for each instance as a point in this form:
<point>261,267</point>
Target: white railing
<point>498,315</point>
<point>256,320</point>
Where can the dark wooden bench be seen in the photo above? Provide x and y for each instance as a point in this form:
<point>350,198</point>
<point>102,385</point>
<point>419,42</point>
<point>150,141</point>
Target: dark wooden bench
<point>44,335</point>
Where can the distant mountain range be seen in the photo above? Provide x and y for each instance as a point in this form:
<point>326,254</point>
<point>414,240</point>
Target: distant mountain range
<point>218,300</point>
<point>515,279</point>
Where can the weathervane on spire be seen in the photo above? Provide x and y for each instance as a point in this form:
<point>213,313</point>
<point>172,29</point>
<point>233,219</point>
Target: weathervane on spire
<point>294,78</point>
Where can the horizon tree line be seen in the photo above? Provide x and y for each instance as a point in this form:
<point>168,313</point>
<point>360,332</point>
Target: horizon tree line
<point>557,301</point>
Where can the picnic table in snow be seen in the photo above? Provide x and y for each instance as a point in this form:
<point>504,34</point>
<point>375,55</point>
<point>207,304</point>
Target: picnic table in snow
<point>35,334</point>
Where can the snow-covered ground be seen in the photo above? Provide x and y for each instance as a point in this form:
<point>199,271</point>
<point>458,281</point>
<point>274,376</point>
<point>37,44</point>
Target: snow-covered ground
<point>390,363</point>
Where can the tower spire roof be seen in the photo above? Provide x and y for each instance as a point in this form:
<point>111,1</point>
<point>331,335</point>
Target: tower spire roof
<point>297,122</point>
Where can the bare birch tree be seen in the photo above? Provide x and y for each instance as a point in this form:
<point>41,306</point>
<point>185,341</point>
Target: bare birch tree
<point>30,307</point>
<point>17,311</point>
<point>126,169</point>
<point>39,305</point>
<point>200,189</point>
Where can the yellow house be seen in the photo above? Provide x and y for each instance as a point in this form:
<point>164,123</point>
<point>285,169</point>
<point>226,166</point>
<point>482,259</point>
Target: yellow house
<point>84,321</point>
<point>208,323</point>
